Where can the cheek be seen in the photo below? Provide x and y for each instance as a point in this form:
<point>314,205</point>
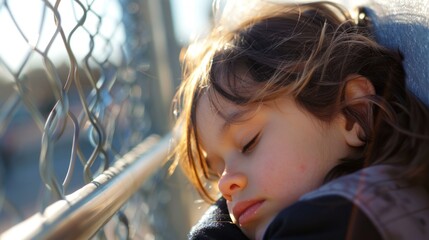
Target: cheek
<point>275,171</point>
<point>302,168</point>
<point>283,173</point>
<point>278,158</point>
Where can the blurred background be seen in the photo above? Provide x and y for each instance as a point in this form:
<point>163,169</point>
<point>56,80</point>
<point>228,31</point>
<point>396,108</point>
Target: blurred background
<point>82,82</point>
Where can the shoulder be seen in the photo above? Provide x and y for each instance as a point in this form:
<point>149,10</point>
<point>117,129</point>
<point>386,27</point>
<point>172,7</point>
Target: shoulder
<point>328,217</point>
<point>398,209</point>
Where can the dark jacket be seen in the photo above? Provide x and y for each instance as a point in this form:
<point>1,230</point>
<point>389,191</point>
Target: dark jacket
<point>329,217</point>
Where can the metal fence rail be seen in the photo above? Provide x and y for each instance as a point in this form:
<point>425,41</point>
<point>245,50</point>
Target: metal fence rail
<point>83,82</point>
<point>81,214</point>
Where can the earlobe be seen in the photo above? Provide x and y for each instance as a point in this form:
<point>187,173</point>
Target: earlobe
<point>352,135</point>
<point>356,91</point>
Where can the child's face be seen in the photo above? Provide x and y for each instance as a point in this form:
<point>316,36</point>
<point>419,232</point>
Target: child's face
<point>269,158</point>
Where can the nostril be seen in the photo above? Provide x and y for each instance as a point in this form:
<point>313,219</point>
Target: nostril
<point>233,187</point>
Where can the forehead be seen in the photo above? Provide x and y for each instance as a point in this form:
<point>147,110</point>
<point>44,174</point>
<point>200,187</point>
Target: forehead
<point>212,106</point>
<point>210,115</point>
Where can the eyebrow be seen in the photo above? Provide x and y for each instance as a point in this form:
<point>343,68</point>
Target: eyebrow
<point>232,118</point>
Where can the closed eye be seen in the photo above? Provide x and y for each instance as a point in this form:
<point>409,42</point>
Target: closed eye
<point>250,145</point>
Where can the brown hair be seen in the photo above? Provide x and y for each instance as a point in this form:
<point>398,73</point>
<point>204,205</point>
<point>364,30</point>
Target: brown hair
<point>307,51</point>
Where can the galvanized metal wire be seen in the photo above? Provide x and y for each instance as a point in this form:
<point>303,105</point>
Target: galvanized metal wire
<point>75,80</point>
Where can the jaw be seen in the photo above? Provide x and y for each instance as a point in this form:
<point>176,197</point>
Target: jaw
<point>257,231</point>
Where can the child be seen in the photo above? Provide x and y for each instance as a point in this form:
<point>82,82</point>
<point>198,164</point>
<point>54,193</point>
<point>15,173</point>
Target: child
<point>304,123</point>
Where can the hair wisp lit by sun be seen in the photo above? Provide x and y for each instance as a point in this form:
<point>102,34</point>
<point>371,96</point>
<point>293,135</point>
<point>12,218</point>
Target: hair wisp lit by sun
<point>261,50</point>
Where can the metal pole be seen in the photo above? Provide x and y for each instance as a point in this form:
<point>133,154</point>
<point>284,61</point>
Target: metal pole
<point>85,211</point>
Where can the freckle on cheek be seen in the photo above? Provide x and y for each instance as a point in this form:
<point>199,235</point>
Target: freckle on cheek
<point>302,168</point>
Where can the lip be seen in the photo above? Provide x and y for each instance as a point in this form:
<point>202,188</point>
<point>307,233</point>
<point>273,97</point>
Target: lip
<point>245,211</point>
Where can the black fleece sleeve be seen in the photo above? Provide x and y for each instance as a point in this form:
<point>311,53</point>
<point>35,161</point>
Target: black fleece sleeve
<point>330,218</point>
<point>216,224</point>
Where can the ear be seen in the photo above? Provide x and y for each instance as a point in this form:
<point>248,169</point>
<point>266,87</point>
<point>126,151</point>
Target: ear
<point>356,89</point>
<point>352,132</point>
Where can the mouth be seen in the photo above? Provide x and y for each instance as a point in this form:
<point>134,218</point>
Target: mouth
<point>245,211</point>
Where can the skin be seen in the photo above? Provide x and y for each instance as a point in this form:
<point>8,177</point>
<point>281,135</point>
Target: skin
<point>290,156</point>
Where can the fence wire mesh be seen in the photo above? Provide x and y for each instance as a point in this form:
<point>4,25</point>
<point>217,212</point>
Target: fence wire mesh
<point>75,78</point>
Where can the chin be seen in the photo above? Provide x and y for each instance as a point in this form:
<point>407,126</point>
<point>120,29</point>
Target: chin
<point>249,233</point>
<point>251,230</point>
<point>256,231</point>
<point>259,233</point>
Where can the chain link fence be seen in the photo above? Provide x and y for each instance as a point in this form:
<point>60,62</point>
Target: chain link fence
<point>79,88</point>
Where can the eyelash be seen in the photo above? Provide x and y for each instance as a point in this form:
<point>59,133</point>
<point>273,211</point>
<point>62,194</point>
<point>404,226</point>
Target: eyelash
<point>250,145</point>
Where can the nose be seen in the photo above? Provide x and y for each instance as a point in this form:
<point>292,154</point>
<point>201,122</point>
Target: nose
<point>231,183</point>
